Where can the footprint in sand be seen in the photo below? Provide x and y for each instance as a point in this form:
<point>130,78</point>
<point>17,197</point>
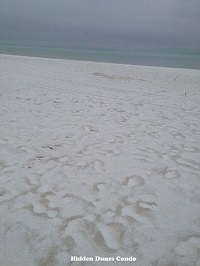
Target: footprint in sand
<point>147,201</point>
<point>3,141</point>
<point>99,185</point>
<point>2,192</point>
<point>64,159</point>
<point>91,128</point>
<point>2,165</point>
<point>33,161</point>
<point>116,152</point>
<point>38,208</point>
<point>111,152</point>
<point>188,163</point>
<point>172,174</point>
<point>32,180</point>
<point>190,148</point>
<point>111,234</point>
<point>148,197</point>
<point>147,205</point>
<point>154,135</point>
<point>41,208</point>
<point>133,212</point>
<point>178,136</point>
<point>82,164</point>
<point>29,151</point>
<point>188,248</point>
<point>67,160</point>
<point>189,183</point>
<point>52,146</point>
<point>68,243</point>
<point>52,214</point>
<point>141,209</point>
<point>98,165</point>
<point>133,181</point>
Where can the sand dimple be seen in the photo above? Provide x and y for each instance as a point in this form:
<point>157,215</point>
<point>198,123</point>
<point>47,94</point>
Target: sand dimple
<point>133,181</point>
<point>91,128</point>
<point>98,165</point>
<point>171,174</point>
<point>52,214</point>
<point>148,205</point>
<point>64,159</point>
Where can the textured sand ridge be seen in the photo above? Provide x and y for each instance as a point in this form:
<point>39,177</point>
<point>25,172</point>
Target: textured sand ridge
<point>98,160</point>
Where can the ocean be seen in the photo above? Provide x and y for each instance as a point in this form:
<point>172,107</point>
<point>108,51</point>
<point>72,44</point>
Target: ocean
<point>178,58</point>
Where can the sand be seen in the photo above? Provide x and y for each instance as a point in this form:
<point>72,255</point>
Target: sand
<point>98,159</point>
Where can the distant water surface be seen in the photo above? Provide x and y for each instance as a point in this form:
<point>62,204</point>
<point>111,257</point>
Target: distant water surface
<point>164,58</point>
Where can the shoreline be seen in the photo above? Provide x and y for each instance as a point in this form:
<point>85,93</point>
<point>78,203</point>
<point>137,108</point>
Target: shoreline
<point>158,58</point>
<point>100,62</point>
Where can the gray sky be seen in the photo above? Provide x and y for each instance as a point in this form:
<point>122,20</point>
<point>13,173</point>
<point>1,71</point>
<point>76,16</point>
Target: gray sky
<point>102,23</point>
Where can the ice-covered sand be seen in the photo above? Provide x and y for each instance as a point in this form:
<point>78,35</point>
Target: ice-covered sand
<point>98,160</point>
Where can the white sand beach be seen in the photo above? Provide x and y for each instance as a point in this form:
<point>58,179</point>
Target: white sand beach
<point>100,160</point>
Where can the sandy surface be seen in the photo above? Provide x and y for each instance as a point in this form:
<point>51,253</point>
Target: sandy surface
<point>98,160</point>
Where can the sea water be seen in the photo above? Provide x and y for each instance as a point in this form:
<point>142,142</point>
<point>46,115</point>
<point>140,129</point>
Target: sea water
<point>178,58</point>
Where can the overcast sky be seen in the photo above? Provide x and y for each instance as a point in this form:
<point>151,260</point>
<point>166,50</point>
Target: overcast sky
<point>102,23</point>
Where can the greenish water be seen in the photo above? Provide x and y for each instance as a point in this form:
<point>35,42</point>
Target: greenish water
<point>164,58</point>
